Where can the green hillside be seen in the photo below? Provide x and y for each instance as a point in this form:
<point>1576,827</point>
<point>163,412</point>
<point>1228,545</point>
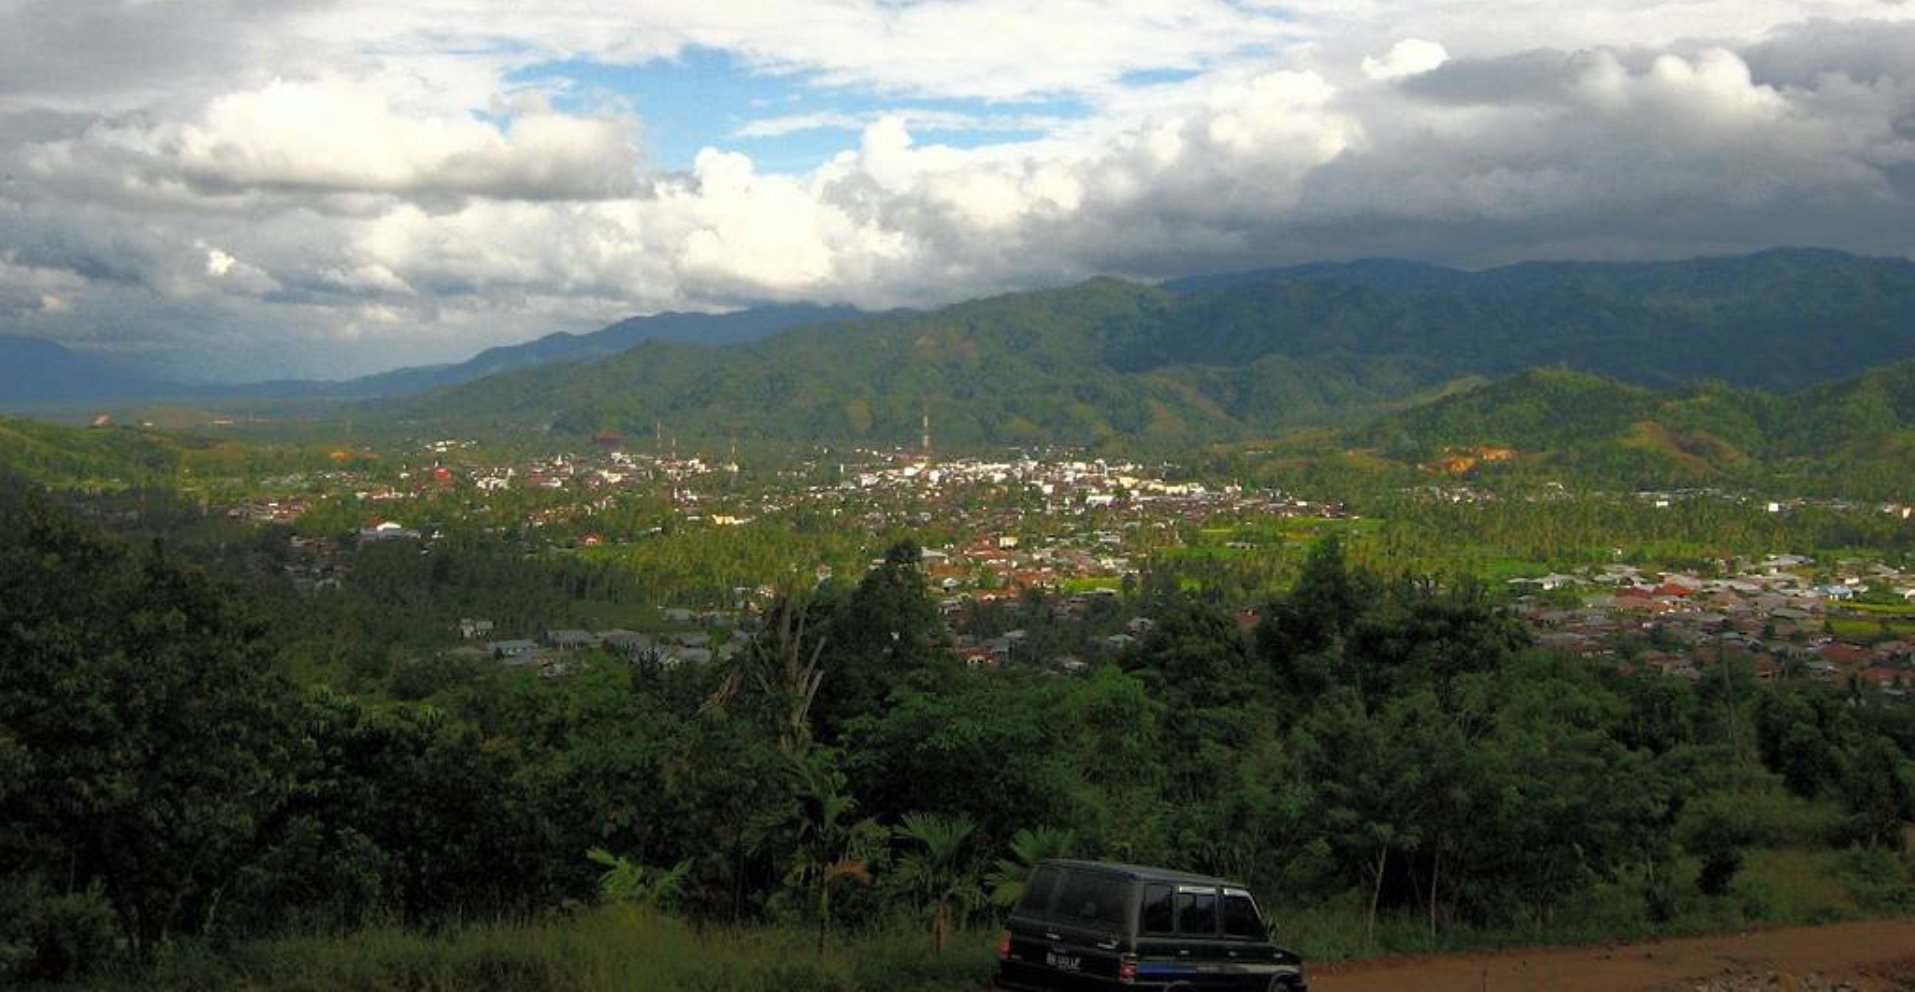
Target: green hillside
<point>1115,363</point>
<point>73,456</point>
<point>1859,432</point>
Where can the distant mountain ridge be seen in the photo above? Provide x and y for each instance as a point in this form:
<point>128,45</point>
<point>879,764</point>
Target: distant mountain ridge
<point>36,373</point>
<point>1695,278</point>
<point>1231,357</point>
<point>715,330</point>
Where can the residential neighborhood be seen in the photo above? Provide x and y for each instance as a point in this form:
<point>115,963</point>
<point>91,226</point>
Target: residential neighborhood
<point>1053,532</point>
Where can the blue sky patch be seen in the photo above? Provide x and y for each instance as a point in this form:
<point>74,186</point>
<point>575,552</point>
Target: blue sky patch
<point>706,98</point>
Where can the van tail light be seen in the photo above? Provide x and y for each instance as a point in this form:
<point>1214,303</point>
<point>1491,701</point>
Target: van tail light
<point>1004,944</point>
<point>1127,968</point>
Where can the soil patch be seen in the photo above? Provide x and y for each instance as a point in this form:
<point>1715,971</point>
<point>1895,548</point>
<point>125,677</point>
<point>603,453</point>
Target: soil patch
<point>1873,956</point>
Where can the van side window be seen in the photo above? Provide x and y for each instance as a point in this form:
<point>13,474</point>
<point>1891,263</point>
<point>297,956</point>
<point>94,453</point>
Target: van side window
<point>1159,912</point>
<point>1091,899</point>
<point>1240,916</point>
<point>1037,893</point>
<point>1197,911</point>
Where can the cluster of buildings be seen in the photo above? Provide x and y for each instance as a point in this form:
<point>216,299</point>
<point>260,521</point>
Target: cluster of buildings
<point>690,637</point>
<point>1077,528</point>
<point>1774,616</point>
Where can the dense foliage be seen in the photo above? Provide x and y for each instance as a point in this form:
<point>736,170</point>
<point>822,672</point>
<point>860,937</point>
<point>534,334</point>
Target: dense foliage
<point>1394,743</point>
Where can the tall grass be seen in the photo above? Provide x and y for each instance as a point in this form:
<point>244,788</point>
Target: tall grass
<point>606,949</point>
<point>1776,887</point>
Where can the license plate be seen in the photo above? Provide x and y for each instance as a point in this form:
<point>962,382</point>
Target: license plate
<point>1063,962</point>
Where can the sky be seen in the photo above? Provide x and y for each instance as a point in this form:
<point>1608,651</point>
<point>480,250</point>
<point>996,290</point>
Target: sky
<point>249,189</point>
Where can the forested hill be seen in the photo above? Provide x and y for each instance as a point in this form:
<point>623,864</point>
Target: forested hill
<point>1230,357</point>
<point>73,456</point>
<point>1860,430</point>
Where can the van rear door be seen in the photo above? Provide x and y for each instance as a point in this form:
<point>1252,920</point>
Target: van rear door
<point>1077,942</point>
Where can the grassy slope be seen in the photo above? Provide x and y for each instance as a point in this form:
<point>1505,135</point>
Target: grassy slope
<point>613,948</point>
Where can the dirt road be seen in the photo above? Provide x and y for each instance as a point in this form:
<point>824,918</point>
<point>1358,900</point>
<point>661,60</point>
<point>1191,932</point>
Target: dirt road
<point>1877,956</point>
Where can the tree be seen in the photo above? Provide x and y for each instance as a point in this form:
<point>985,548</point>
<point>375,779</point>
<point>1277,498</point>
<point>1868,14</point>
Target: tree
<point>1300,635</point>
<point>1373,787</point>
<point>1197,652</point>
<point>1877,792</point>
<point>1715,829</point>
<point>783,665</point>
<point>1006,879</point>
<point>888,629</point>
<point>831,849</point>
<point>146,732</point>
<point>937,870</point>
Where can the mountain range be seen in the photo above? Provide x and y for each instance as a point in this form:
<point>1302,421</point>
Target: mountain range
<point>1224,358</point>
<point>1144,367</point>
<point>35,372</point>
<point>39,374</point>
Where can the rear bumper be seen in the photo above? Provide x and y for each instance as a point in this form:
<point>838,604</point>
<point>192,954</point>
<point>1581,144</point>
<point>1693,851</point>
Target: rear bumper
<point>1001,984</point>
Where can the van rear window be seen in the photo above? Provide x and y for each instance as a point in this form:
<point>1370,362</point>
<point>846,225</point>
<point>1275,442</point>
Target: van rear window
<point>1037,892</point>
<point>1090,899</point>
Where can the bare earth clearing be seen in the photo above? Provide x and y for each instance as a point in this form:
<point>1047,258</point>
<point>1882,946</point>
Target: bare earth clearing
<point>1876,956</point>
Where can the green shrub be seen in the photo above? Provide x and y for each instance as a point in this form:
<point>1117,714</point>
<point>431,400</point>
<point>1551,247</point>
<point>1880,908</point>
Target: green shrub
<point>55,938</point>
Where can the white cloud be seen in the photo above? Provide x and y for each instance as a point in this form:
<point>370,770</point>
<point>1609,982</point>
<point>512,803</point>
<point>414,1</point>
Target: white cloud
<point>382,188</point>
<point>1409,57</point>
<point>335,135</point>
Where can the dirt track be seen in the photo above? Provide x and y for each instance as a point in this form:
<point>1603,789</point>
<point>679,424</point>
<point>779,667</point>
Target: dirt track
<point>1877,956</point>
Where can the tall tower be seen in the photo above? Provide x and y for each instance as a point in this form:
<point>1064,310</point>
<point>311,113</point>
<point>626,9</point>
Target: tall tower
<point>924,437</point>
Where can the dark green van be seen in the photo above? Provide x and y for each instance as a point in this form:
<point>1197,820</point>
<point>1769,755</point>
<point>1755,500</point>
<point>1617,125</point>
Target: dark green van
<point>1094,925</point>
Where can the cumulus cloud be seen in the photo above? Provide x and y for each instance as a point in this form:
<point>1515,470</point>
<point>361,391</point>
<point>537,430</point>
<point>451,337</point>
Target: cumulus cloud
<point>353,186</point>
<point>1410,57</point>
<point>339,135</point>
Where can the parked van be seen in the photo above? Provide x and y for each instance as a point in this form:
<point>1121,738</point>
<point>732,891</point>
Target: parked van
<point>1095,925</point>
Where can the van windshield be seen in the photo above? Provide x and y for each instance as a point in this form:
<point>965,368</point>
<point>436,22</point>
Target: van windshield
<point>1240,916</point>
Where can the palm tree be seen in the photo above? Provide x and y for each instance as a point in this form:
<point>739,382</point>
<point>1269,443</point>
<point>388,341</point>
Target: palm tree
<point>831,848</point>
<point>1006,879</point>
<point>784,664</point>
<point>641,887</point>
<point>938,871</point>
